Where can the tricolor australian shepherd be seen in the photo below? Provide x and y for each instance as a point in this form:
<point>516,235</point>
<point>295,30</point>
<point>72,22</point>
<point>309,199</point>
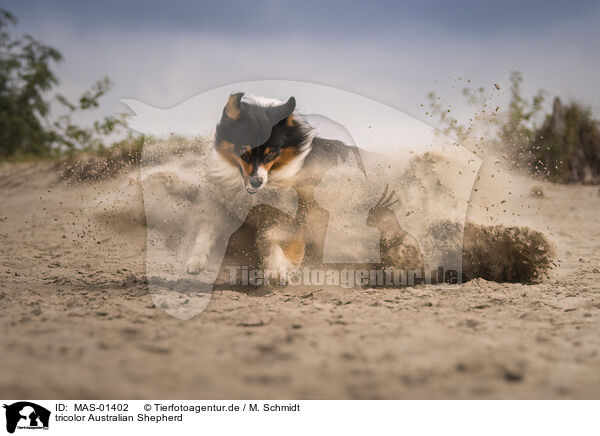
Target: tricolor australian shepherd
<point>261,142</point>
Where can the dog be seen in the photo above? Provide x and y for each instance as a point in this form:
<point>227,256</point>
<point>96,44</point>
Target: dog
<point>262,144</point>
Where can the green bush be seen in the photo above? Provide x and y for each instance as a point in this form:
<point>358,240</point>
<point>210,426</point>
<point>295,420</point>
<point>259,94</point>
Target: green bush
<point>518,125</point>
<point>26,79</point>
<point>566,148</point>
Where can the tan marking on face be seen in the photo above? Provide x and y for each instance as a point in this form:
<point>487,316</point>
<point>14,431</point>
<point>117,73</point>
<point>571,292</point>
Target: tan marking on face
<point>227,151</point>
<point>294,248</point>
<point>247,168</point>
<point>285,157</point>
<point>267,166</point>
<point>232,109</point>
<point>290,121</point>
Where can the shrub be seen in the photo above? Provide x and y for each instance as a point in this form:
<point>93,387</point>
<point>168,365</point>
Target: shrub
<point>566,148</point>
<point>518,126</point>
<point>26,78</point>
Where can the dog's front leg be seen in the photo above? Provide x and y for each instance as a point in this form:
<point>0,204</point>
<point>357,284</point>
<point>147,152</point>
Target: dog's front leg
<point>282,254</point>
<point>210,243</point>
<point>204,243</point>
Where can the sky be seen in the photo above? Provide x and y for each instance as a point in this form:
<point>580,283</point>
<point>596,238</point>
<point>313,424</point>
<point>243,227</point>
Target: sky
<point>392,51</point>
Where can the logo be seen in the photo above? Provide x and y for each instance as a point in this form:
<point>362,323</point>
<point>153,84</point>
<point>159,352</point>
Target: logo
<point>26,415</point>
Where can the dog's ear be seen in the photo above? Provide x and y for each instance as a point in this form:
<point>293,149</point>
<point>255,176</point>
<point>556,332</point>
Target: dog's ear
<point>232,108</point>
<point>278,113</point>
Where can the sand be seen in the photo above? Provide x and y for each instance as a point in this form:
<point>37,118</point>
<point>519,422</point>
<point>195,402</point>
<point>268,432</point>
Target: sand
<point>77,320</point>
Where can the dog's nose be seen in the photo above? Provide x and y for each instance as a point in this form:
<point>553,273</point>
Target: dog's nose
<point>256,182</point>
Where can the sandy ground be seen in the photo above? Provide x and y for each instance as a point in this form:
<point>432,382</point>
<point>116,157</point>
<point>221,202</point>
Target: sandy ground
<point>77,320</point>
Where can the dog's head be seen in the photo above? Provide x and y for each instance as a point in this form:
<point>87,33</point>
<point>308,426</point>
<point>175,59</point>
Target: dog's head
<point>257,137</point>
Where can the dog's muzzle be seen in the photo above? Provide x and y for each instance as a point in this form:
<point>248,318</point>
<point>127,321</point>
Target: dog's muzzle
<point>256,181</point>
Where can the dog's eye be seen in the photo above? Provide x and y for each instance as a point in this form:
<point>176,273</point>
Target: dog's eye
<point>270,155</point>
<point>245,155</point>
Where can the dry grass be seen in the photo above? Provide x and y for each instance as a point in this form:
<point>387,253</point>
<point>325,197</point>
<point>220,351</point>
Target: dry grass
<point>108,162</point>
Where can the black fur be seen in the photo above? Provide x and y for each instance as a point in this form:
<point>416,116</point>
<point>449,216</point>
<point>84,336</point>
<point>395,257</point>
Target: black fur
<point>259,134</point>
<point>257,124</point>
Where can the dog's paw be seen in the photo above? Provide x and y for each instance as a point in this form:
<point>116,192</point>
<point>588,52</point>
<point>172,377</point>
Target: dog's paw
<point>276,278</point>
<point>279,266</point>
<point>195,264</point>
<point>281,278</point>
